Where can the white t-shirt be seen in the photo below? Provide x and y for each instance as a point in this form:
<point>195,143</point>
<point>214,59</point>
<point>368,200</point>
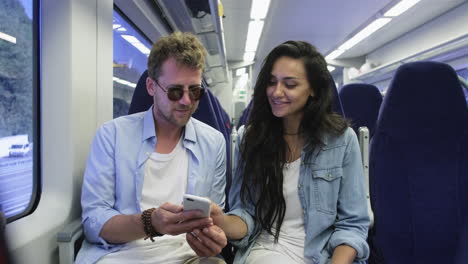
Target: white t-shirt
<point>290,246</point>
<point>165,180</point>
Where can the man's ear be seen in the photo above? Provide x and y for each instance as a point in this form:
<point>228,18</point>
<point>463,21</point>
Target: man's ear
<point>150,86</point>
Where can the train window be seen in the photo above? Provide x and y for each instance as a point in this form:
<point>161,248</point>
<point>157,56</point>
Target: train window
<point>131,50</point>
<point>19,108</point>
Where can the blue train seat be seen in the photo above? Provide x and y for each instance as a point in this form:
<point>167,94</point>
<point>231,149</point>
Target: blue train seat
<point>245,115</point>
<point>227,121</point>
<point>361,102</point>
<point>210,112</point>
<point>418,177</point>
<point>224,127</point>
<point>337,106</point>
<point>141,100</point>
<point>206,111</point>
<point>218,110</point>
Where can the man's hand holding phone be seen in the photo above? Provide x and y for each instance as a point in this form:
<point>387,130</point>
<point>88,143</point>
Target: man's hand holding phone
<point>193,202</point>
<point>173,220</point>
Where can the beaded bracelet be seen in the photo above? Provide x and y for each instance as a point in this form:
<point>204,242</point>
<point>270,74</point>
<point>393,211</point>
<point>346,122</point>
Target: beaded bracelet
<point>147,225</point>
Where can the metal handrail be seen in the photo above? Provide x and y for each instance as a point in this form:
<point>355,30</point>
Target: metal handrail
<point>218,27</point>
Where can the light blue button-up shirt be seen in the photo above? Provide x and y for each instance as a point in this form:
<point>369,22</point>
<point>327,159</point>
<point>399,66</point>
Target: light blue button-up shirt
<point>332,195</point>
<point>114,174</point>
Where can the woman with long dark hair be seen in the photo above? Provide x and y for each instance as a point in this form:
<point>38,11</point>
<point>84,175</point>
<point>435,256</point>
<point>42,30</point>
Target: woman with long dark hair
<point>298,191</point>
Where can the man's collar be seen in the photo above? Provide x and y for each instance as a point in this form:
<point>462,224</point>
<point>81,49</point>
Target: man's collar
<point>190,133</point>
<point>149,130</point>
<point>148,125</point>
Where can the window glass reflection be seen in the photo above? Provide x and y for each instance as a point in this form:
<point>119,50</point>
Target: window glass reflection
<point>17,97</point>
<point>131,50</point>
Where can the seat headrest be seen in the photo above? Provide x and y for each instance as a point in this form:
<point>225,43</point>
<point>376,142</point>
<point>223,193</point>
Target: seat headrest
<point>141,100</point>
<point>361,103</point>
<point>424,98</point>
<point>337,106</point>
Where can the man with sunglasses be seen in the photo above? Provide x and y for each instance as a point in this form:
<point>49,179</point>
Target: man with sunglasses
<point>140,166</point>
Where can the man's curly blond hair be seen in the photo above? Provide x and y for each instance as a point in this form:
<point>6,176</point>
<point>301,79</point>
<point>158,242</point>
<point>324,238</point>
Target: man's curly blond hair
<point>185,48</point>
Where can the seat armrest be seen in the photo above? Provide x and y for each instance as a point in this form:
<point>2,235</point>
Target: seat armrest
<point>66,240</point>
<point>364,139</point>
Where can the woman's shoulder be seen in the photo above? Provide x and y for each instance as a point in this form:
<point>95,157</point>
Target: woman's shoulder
<point>332,140</point>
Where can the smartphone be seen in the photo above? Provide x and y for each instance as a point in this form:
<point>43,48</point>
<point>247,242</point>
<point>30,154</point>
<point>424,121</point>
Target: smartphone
<point>193,202</point>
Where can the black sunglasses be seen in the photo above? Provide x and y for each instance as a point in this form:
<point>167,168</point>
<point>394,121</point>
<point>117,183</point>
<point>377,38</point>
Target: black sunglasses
<point>176,93</point>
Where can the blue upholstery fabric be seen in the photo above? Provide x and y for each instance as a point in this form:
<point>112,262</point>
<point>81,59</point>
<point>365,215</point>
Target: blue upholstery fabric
<point>245,115</point>
<point>337,106</point>
<point>462,254</point>
<point>206,112</point>
<point>361,102</point>
<point>216,112</point>
<point>223,120</point>
<point>417,175</point>
<point>141,100</point>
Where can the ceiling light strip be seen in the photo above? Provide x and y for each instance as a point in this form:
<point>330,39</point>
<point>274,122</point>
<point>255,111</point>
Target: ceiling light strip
<point>396,10</point>
<point>258,12</point>
<point>366,32</point>
<point>259,9</point>
<point>253,35</point>
<point>137,44</point>
<point>400,8</point>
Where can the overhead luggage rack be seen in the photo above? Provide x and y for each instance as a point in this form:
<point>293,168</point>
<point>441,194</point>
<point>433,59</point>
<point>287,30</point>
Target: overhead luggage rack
<point>203,18</point>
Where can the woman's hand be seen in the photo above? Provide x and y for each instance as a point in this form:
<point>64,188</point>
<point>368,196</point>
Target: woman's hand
<point>232,225</point>
<point>217,214</point>
<point>207,242</point>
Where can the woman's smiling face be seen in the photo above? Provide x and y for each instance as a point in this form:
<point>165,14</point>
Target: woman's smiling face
<point>288,88</point>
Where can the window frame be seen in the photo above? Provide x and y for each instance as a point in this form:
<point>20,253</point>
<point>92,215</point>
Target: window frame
<point>36,118</point>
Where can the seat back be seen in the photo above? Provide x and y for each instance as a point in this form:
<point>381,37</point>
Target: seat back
<point>416,166</point>
<point>361,102</point>
<point>245,115</point>
<point>337,105</point>
<point>214,117</point>
<point>141,100</point>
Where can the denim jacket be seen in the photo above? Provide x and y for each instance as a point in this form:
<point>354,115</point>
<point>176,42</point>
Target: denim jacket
<point>332,195</point>
<point>113,179</point>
